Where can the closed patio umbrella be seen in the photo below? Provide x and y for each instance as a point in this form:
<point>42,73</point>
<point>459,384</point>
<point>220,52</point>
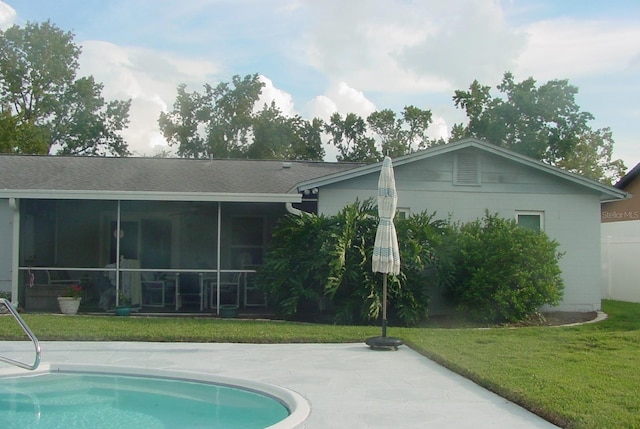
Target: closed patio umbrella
<point>386,256</point>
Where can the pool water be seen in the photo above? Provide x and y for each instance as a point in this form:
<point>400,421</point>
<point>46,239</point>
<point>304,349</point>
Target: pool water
<point>96,401</point>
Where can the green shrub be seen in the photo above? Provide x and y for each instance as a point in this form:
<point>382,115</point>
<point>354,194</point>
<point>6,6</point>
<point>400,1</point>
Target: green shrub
<point>502,272</point>
<point>319,268</point>
<point>295,270</point>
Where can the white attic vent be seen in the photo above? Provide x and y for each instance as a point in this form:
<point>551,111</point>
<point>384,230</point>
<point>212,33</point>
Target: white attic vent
<point>466,168</point>
<point>286,165</point>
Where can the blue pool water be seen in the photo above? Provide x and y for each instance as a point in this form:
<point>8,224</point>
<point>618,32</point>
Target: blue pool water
<point>96,401</point>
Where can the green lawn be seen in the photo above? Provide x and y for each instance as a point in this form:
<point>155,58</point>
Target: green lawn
<point>576,377</point>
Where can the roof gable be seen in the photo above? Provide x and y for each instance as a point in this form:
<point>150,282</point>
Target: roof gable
<point>606,192</point>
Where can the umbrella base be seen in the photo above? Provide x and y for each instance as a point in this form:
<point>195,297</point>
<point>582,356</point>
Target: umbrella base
<point>384,343</point>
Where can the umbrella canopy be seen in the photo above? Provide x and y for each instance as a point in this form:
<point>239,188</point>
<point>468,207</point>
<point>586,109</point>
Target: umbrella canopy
<point>386,256</point>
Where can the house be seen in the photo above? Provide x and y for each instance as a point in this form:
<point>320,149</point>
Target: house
<point>620,235</point>
<point>464,179</point>
<point>188,234</point>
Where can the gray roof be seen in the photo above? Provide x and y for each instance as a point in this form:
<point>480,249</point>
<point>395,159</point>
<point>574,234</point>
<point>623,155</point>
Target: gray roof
<point>629,177</point>
<point>99,177</point>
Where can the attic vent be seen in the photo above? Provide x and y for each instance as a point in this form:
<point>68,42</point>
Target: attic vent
<point>286,165</point>
<point>466,168</point>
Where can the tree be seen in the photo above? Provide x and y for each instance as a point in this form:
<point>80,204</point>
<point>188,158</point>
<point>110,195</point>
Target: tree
<point>278,137</point>
<point>403,135</point>
<point>223,122</point>
<point>348,135</point>
<point>356,139</point>
<point>216,123</point>
<point>543,122</point>
<point>45,106</point>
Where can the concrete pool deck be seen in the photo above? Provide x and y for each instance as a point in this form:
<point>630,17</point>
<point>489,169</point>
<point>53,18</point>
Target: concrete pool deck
<point>347,385</point>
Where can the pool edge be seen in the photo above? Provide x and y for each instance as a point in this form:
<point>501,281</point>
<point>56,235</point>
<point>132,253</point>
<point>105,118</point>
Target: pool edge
<point>297,405</point>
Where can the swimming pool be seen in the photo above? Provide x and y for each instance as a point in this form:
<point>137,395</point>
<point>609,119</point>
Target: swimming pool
<point>72,396</point>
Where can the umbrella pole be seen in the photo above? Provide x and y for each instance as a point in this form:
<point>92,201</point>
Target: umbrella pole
<point>384,304</point>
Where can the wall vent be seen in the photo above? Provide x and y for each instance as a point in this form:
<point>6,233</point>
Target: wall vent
<point>466,168</point>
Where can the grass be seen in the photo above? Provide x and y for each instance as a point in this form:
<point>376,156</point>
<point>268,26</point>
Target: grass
<point>575,377</point>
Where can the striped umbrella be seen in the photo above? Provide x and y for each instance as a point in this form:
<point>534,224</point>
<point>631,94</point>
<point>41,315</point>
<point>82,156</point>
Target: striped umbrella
<point>386,256</point>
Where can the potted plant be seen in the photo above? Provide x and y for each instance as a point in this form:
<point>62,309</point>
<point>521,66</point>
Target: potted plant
<point>70,302</point>
<point>123,308</point>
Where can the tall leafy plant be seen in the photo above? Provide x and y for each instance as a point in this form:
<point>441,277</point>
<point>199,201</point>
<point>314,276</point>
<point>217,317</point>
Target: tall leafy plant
<point>319,268</point>
<point>295,270</point>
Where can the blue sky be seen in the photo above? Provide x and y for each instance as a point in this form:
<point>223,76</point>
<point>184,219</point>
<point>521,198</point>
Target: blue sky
<point>318,57</point>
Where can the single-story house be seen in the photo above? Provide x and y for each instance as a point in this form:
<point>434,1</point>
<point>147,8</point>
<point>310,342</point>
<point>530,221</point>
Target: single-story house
<point>188,234</point>
<point>621,242</point>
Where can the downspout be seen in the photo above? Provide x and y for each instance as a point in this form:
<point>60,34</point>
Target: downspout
<point>293,210</point>
<point>14,205</point>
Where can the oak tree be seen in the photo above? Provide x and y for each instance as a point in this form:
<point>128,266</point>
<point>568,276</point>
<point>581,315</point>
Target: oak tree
<point>541,121</point>
<point>44,106</point>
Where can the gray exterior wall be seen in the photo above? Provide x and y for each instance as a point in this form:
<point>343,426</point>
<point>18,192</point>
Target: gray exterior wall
<point>571,213</point>
<point>6,240</point>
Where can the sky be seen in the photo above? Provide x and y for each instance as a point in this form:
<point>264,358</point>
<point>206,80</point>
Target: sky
<point>317,57</point>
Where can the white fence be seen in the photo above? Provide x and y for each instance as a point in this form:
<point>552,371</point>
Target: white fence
<point>621,260</point>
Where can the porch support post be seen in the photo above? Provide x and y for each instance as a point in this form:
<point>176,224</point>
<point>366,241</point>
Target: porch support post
<point>14,204</point>
<point>117,232</point>
<point>218,259</point>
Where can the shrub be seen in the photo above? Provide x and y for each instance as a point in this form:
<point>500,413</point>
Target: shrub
<point>502,272</point>
<point>319,268</point>
<point>295,270</point>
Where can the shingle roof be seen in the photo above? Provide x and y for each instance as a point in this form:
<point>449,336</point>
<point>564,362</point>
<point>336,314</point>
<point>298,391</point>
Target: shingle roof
<point>166,175</point>
<point>629,177</point>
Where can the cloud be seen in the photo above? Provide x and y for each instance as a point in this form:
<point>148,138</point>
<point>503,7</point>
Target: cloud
<point>149,78</point>
<point>566,48</point>
<point>270,93</point>
<point>7,16</point>
<point>464,43</point>
<point>340,97</point>
<point>425,46</point>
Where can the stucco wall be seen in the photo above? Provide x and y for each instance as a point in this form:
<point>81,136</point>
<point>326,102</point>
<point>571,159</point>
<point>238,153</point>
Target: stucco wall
<point>571,213</point>
<point>6,234</point>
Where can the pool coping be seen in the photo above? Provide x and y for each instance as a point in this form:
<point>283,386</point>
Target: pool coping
<point>298,407</point>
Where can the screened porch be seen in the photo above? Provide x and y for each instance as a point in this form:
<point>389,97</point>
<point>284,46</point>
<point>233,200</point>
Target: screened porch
<point>162,256</point>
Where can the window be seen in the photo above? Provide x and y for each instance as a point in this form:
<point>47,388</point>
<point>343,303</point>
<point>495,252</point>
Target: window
<point>466,168</point>
<point>531,220</point>
<point>403,213</point>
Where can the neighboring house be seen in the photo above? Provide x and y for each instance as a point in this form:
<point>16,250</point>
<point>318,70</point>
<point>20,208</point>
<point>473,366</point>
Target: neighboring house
<point>620,230</point>
<point>181,226</point>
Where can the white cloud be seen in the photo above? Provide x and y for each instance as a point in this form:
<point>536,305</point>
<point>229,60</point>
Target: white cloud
<point>426,46</point>
<point>149,78</point>
<point>566,48</point>
<point>322,107</point>
<point>7,16</point>
<point>270,93</point>
<point>438,128</point>
<point>342,98</point>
